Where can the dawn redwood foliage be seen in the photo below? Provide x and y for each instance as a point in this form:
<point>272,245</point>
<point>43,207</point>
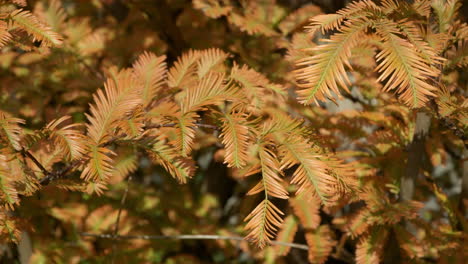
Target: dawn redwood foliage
<point>344,133</point>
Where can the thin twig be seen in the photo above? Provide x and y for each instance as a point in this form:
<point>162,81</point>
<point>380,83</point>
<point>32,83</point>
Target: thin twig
<point>150,126</point>
<point>38,164</point>
<point>189,237</point>
<point>117,221</point>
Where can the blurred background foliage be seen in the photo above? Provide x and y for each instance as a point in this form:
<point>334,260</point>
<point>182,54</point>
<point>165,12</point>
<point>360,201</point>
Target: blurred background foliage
<point>42,83</point>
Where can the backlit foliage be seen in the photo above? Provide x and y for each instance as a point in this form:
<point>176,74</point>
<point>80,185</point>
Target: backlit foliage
<point>266,119</point>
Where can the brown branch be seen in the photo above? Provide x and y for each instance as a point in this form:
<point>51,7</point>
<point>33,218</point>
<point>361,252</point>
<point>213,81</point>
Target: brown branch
<point>50,176</point>
<point>35,161</point>
<point>415,155</point>
<point>189,237</point>
<point>151,126</point>
<point>117,221</point>
<point>462,206</point>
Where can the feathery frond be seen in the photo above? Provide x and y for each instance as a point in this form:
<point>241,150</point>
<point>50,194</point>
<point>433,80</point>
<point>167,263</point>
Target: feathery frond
<point>118,98</point>
<point>150,71</point>
<point>210,90</point>
<point>100,166</point>
<point>5,35</point>
<point>26,21</point>
<point>263,222</point>
<point>210,59</point>
<point>254,85</point>
<point>297,18</point>
<point>328,22</point>
<point>312,174</point>
<point>321,243</point>
<point>271,182</point>
<point>179,167</point>
<point>370,247</point>
<point>8,193</point>
<point>53,14</point>
<point>307,210</point>
<point>183,73</point>
<point>414,36</point>
<point>125,165</point>
<point>9,230</point>
<point>67,139</point>
<point>406,71</point>
<point>10,131</point>
<point>97,187</point>
<point>325,71</point>
<point>286,234</point>
<point>235,137</point>
<point>185,129</point>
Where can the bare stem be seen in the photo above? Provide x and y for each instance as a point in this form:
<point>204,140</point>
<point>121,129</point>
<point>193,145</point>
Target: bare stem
<point>35,161</point>
<point>188,237</point>
<point>116,228</point>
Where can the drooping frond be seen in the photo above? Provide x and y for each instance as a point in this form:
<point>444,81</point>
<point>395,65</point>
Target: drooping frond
<point>210,59</point>
<point>67,139</point>
<point>150,71</point>
<point>263,222</point>
<point>322,73</point>
<point>235,137</point>
<point>10,131</point>
<point>210,90</point>
<point>370,247</point>
<point>177,166</point>
<point>406,70</point>
<point>28,22</point>
<point>321,243</point>
<point>5,35</point>
<point>286,234</point>
<point>414,36</point>
<point>182,73</point>
<point>100,166</point>
<point>307,210</point>
<point>185,129</point>
<point>271,182</point>
<point>8,193</point>
<point>212,8</point>
<point>118,98</point>
<point>313,175</point>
